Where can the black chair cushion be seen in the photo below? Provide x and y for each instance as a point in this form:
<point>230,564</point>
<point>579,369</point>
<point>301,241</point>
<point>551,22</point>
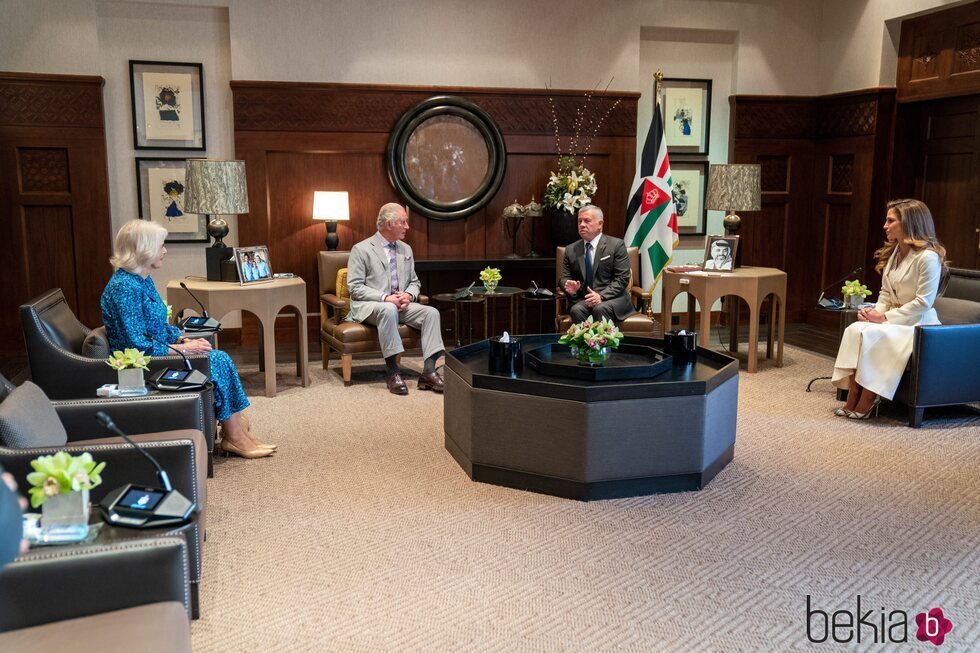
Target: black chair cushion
<point>96,344</point>
<point>28,420</point>
<point>957,311</point>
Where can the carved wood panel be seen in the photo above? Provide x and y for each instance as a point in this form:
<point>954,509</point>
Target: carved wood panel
<point>939,54</point>
<point>310,137</point>
<point>54,195</point>
<point>842,173</point>
<point>44,169</point>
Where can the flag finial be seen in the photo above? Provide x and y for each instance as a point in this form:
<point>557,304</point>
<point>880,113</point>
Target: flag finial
<point>658,77</point>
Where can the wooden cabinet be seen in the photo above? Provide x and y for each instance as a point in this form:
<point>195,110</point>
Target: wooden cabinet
<point>939,54</point>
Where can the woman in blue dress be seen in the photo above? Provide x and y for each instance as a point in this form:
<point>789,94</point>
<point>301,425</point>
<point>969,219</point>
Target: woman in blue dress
<point>132,308</point>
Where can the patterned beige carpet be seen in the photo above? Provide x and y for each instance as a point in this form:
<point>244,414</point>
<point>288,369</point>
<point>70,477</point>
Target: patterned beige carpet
<point>363,534</point>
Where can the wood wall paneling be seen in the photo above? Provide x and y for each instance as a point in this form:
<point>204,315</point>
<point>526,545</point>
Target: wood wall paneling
<point>939,54</point>
<point>299,138</point>
<point>54,199</point>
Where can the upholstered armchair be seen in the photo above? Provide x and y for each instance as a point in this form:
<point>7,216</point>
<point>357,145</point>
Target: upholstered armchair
<point>349,338</point>
<point>639,324</point>
<point>67,359</point>
<point>127,595</point>
<point>167,426</point>
<point>944,367</point>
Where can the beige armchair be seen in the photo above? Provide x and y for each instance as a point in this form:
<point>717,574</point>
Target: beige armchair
<point>638,324</point>
<point>349,338</point>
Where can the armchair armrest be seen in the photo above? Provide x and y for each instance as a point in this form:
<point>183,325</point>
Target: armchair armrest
<point>332,300</point>
<point>158,412</point>
<point>645,297</point>
<point>944,369</point>
<point>66,582</point>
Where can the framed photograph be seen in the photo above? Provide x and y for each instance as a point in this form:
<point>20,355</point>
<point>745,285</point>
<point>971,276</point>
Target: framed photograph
<point>253,264</point>
<point>168,105</point>
<point>719,253</point>
<point>690,188</point>
<point>687,115</point>
<point>160,191</point>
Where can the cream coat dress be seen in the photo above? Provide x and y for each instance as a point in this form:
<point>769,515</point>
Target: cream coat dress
<point>880,352</point>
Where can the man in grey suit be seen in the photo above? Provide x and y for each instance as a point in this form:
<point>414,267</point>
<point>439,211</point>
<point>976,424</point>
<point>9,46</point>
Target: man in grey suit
<point>383,289</point>
<point>595,272</point>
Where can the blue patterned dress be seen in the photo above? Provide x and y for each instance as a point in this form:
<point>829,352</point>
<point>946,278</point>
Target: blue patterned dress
<point>131,308</point>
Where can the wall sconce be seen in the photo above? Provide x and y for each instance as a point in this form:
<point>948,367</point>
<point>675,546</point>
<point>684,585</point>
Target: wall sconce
<point>216,188</point>
<point>331,207</point>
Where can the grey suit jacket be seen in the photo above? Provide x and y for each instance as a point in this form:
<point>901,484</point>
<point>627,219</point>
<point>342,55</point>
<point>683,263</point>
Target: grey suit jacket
<point>367,275</point>
<point>610,273</point>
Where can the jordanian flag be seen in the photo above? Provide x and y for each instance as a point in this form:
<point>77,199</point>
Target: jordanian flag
<point>651,220</point>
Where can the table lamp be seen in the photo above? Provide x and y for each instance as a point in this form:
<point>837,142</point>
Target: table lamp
<point>513,217</point>
<point>216,188</point>
<point>331,207</point>
<point>734,187</point>
<point>533,210</point>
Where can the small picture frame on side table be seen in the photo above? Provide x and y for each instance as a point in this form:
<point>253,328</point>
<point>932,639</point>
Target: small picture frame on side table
<point>253,264</point>
<point>687,115</point>
<point>690,188</point>
<point>168,105</point>
<point>719,253</point>
<point>160,195</point>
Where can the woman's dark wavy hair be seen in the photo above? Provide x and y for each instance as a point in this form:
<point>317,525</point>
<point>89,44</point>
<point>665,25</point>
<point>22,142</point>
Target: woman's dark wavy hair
<point>920,232</point>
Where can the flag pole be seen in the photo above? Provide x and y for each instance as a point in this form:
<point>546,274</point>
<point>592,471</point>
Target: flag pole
<point>658,78</point>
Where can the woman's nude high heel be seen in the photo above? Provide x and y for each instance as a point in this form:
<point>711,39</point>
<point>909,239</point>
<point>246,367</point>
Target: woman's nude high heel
<point>258,452</point>
<point>867,415</point>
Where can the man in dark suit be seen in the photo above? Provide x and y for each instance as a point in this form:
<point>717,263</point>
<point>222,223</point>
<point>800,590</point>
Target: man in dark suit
<point>595,272</point>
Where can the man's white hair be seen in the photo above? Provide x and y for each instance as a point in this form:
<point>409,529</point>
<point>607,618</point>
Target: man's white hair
<point>388,214</point>
<point>592,208</point>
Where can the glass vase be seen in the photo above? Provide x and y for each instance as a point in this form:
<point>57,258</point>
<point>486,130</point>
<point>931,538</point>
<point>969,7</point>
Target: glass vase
<point>591,357</point>
<point>490,286</point>
<point>854,301</point>
<point>64,517</point>
<point>131,378</point>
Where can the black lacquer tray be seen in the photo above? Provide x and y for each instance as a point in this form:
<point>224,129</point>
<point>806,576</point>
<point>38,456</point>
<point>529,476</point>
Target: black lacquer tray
<point>626,362</point>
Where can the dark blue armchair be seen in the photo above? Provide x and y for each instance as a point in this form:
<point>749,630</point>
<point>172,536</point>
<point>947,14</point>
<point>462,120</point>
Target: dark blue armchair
<point>945,366</point>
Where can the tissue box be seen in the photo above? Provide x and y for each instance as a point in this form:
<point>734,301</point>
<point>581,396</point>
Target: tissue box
<point>506,357</point>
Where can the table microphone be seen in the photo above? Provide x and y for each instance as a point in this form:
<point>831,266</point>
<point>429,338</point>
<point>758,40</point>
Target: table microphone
<point>544,292</point>
<point>465,292</point>
<point>173,379</point>
<point>143,507</point>
<point>825,302</point>
<point>203,323</point>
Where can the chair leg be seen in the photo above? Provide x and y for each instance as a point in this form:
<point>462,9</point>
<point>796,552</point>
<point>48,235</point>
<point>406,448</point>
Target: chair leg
<point>346,361</point>
<point>915,416</point>
<point>325,354</point>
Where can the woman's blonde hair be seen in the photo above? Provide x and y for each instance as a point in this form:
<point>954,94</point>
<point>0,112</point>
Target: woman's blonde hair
<point>137,243</point>
<point>920,231</point>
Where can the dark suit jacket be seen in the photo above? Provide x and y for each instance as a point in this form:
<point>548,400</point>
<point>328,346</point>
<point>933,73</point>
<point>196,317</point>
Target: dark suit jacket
<point>610,273</point>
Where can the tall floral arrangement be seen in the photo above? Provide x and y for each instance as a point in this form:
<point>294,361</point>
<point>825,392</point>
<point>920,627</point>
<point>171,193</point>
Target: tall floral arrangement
<point>574,185</point>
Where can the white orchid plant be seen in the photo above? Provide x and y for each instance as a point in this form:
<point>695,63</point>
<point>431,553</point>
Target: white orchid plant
<point>572,187</point>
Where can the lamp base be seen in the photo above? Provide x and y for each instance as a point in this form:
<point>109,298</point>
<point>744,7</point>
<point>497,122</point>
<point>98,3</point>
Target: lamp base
<point>733,224</point>
<point>332,240</point>
<point>214,258</point>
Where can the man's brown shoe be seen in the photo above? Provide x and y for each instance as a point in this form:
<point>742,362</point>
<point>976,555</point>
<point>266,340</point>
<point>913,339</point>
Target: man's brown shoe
<point>395,385</point>
<point>431,381</point>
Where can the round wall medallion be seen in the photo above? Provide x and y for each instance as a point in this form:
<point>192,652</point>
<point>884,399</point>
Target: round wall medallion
<point>446,157</point>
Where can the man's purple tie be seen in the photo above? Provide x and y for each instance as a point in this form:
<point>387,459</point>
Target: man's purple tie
<point>393,266</point>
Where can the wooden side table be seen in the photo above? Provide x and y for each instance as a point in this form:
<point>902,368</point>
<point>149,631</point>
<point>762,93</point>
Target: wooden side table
<point>751,284</point>
<point>264,300</point>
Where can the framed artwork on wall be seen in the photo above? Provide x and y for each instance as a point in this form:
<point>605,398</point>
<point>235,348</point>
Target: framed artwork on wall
<point>160,191</point>
<point>690,188</point>
<point>253,264</point>
<point>687,115</point>
<point>168,105</point>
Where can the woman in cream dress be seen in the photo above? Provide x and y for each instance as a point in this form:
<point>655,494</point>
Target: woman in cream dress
<point>875,350</point>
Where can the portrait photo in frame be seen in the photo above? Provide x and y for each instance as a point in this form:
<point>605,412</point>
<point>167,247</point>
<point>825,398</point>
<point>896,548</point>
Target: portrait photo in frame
<point>160,196</point>
<point>687,115</point>
<point>167,105</point>
<point>719,253</point>
<point>253,264</point>
<point>690,188</point>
